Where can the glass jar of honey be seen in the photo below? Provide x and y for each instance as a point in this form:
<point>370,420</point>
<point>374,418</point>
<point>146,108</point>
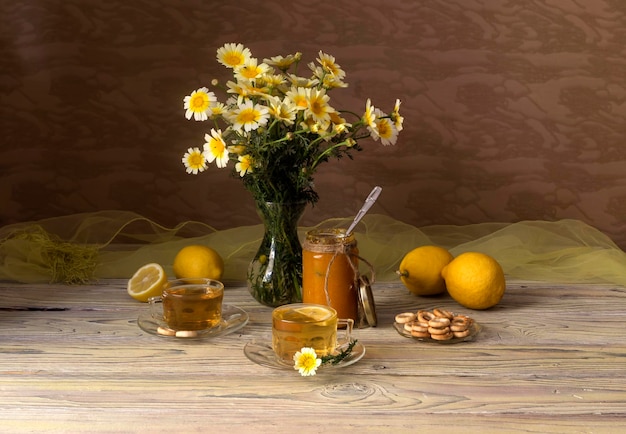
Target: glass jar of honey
<point>330,271</point>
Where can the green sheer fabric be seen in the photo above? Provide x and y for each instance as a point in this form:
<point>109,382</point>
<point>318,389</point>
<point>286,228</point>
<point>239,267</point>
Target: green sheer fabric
<point>114,244</point>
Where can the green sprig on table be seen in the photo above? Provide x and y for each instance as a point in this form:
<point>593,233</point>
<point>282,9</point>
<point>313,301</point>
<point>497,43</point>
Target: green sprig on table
<point>333,360</point>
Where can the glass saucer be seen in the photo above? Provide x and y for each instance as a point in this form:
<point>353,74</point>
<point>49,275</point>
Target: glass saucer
<point>233,319</point>
<point>262,354</point>
<point>474,330</point>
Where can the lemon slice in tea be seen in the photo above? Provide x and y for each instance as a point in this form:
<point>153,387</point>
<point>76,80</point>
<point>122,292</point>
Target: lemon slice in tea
<point>311,314</point>
<point>147,282</point>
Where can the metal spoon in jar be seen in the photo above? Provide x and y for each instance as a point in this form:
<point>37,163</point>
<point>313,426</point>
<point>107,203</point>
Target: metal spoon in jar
<point>366,206</point>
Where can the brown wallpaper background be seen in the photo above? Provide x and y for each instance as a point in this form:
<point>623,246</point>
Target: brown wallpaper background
<point>514,109</point>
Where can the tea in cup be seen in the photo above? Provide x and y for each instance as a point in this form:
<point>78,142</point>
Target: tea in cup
<point>190,304</point>
<point>299,325</point>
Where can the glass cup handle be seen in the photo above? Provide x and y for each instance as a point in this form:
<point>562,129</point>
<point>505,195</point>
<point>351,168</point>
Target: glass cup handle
<point>347,331</point>
<point>156,311</point>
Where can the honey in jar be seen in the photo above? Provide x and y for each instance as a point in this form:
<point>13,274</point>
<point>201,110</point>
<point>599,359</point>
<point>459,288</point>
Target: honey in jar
<point>329,271</point>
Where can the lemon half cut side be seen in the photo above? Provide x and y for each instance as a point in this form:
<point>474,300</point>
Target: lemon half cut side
<point>147,282</point>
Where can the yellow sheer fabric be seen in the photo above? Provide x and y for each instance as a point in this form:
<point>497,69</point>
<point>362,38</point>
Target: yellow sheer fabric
<point>114,244</point>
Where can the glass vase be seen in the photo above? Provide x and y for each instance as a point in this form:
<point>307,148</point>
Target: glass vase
<point>275,273</point>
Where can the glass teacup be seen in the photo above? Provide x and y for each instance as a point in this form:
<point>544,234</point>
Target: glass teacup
<point>189,304</point>
<point>299,325</point>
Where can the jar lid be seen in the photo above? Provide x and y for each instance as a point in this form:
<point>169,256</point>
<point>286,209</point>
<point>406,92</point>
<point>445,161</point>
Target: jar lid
<point>366,298</point>
<point>329,237</point>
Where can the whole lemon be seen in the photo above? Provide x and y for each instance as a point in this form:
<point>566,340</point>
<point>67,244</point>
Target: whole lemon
<point>420,270</point>
<point>475,280</point>
<point>198,261</point>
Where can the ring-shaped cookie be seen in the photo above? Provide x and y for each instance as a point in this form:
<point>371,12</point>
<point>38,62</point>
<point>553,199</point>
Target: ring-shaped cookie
<point>416,327</point>
<point>442,337</point>
<point>459,324</point>
<point>461,334</point>
<point>405,317</point>
<point>425,316</point>
<point>439,322</point>
<point>438,331</point>
<point>420,334</point>
<point>442,313</point>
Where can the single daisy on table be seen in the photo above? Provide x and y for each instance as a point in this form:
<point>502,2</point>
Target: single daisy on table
<point>306,361</point>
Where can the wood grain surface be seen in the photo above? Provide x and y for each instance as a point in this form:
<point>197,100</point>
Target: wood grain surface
<point>549,358</point>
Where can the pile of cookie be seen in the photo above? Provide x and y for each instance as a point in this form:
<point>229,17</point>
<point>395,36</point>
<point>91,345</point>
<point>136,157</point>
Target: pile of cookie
<point>439,324</point>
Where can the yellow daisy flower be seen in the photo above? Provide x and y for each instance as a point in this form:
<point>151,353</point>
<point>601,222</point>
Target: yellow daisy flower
<point>249,116</point>
<point>199,103</point>
<point>385,129</point>
<point>328,63</point>
<point>215,148</point>
<point>195,161</point>
<point>339,124</point>
<point>273,80</point>
<point>332,82</point>
<point>274,116</point>
<point>317,106</point>
<point>284,111</point>
<point>233,55</point>
<point>309,124</point>
<point>244,90</point>
<point>296,81</point>
<point>251,70</point>
<point>369,118</point>
<point>395,116</point>
<point>298,96</point>
<point>306,362</point>
<point>218,109</point>
<point>283,63</point>
<point>244,165</point>
<point>328,80</point>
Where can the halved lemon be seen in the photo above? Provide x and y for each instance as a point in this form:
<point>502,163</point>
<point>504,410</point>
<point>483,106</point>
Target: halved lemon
<point>147,282</point>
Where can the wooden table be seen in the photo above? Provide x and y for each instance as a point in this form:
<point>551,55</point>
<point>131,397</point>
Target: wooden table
<point>550,358</point>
